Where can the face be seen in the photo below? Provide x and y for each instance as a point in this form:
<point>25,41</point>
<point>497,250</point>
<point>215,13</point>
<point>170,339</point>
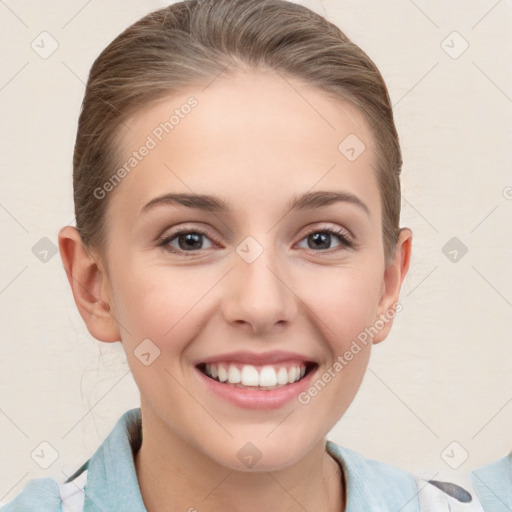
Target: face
<point>238,285</point>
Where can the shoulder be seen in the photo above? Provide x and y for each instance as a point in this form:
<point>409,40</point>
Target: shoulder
<point>110,468</point>
<point>48,495</point>
<point>375,485</point>
<point>493,484</point>
<point>39,495</point>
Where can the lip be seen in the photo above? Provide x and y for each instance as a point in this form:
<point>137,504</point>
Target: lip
<point>257,398</point>
<point>255,359</point>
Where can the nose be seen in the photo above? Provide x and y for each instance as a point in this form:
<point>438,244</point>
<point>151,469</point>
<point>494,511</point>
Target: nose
<point>258,295</point>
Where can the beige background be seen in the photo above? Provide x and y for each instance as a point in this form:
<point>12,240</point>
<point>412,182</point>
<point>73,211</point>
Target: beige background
<point>443,375</point>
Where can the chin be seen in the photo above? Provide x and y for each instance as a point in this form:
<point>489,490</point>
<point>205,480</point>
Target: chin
<point>258,456</point>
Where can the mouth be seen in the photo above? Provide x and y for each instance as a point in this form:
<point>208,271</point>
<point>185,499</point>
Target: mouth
<point>257,377</point>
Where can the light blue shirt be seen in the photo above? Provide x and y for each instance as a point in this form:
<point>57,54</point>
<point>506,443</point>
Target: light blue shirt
<point>493,484</point>
<point>111,481</point>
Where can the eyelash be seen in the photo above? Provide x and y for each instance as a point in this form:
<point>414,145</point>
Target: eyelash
<point>339,233</point>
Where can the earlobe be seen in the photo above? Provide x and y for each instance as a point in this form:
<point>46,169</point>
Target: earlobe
<point>394,275</point>
<point>88,283</point>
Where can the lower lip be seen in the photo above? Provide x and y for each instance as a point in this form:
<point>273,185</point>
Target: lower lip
<point>258,398</point>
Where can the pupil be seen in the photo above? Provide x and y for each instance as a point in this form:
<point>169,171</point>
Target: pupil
<point>190,239</point>
<point>319,238</point>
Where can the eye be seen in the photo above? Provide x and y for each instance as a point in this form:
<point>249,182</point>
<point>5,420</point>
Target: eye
<point>320,238</point>
<point>190,241</point>
<point>186,241</point>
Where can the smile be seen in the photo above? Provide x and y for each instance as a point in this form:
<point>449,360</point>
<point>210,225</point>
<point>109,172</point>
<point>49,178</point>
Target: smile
<point>267,377</point>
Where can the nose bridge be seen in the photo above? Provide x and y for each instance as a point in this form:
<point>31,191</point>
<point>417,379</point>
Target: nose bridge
<point>258,291</point>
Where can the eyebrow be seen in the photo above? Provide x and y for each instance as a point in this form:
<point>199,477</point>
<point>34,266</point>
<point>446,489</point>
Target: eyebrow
<point>208,203</point>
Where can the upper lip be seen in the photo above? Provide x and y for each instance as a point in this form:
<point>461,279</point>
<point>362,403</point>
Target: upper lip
<point>253,358</point>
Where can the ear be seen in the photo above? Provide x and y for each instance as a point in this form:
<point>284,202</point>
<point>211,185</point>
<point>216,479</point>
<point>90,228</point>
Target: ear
<point>89,284</point>
<point>394,274</point>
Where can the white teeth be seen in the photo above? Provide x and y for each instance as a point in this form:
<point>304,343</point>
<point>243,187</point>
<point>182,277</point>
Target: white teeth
<point>234,376</point>
<point>282,376</point>
<point>249,375</point>
<point>223,374</point>
<point>268,376</point>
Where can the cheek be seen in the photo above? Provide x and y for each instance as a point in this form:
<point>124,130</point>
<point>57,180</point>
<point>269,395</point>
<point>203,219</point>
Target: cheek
<point>342,305</point>
<point>344,302</point>
<point>168,304</point>
<point>165,307</point>
<point>152,302</point>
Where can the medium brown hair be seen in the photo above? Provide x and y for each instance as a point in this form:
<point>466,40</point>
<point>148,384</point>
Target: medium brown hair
<point>192,41</point>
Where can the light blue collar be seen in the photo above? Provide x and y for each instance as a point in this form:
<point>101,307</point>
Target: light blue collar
<point>373,485</point>
<point>493,484</point>
<point>112,480</point>
<point>111,477</point>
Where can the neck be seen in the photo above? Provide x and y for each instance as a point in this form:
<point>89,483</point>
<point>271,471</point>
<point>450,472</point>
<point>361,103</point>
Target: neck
<point>173,475</point>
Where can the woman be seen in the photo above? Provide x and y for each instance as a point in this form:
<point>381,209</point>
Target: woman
<point>237,198</point>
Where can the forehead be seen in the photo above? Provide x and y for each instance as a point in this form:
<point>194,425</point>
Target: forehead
<point>249,137</point>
